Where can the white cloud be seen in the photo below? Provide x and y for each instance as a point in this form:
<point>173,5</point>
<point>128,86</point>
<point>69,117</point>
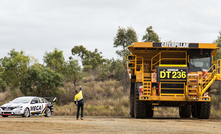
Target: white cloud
<point>41,25</point>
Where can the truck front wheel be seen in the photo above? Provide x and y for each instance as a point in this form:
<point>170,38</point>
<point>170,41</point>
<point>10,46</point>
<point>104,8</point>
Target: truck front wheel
<point>149,112</point>
<point>132,100</point>
<point>139,106</point>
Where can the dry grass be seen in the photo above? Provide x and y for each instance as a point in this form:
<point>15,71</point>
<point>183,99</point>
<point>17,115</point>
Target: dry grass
<point>100,99</point>
<point>4,95</point>
<point>91,110</point>
<point>9,95</point>
<point>167,112</point>
<point>215,109</point>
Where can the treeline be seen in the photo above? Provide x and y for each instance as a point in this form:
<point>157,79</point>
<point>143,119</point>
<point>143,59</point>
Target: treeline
<point>23,72</point>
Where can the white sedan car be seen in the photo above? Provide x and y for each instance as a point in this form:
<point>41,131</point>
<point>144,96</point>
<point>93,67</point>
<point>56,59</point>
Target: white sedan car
<point>26,106</point>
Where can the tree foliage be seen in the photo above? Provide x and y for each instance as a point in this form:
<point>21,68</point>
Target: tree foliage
<point>15,68</point>
<point>41,81</point>
<point>150,35</point>
<point>89,59</point>
<point>73,71</point>
<point>218,42</point>
<point>3,84</point>
<point>118,68</point>
<point>55,60</point>
<point>124,38</point>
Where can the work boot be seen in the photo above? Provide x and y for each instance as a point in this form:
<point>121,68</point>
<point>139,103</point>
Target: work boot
<point>82,118</point>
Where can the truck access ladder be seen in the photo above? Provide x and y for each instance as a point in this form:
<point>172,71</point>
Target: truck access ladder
<point>210,76</point>
<point>146,84</point>
<point>193,84</point>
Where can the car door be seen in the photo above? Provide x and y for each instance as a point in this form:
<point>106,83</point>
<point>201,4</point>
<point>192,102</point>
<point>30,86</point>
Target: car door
<point>35,106</point>
<point>43,104</point>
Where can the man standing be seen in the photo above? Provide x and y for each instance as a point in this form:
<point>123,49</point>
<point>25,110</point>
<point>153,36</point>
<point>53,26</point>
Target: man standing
<point>79,98</point>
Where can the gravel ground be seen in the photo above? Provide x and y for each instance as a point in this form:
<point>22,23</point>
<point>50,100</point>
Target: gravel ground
<point>92,124</point>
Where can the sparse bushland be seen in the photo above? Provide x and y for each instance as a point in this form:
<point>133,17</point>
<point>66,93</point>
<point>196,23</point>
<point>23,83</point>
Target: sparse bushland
<point>103,98</point>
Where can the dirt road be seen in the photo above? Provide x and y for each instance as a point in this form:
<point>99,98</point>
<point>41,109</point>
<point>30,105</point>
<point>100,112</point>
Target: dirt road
<point>68,124</point>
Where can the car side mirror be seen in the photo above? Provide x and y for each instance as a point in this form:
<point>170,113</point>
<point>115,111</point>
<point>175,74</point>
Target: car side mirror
<point>54,99</point>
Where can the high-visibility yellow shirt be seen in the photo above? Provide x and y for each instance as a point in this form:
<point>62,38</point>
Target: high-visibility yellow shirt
<point>78,96</point>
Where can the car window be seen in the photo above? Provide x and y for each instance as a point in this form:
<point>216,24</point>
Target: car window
<point>45,101</point>
<point>21,100</point>
<point>34,101</point>
<point>41,100</point>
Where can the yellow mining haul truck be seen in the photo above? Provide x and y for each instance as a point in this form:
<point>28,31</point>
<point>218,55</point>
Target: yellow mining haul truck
<point>173,74</point>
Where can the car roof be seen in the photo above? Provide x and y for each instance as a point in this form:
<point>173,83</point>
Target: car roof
<point>29,97</point>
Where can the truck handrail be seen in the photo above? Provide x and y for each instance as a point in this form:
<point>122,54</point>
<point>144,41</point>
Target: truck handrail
<point>160,58</point>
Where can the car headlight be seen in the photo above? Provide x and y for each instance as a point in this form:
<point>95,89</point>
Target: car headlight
<point>18,107</point>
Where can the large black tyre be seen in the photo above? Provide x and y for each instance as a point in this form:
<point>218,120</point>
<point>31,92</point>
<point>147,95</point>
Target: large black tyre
<point>185,111</point>
<point>149,112</point>
<point>194,111</point>
<point>47,112</point>
<point>26,113</point>
<point>139,106</point>
<point>132,100</point>
<point>204,110</point>
<point>4,115</point>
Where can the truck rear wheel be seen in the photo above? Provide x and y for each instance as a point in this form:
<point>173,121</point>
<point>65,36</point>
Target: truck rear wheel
<point>204,110</point>
<point>139,106</point>
<point>194,111</point>
<point>185,111</point>
<point>132,100</point>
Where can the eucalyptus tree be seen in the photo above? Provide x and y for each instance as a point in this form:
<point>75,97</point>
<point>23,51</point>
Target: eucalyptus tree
<point>41,81</point>
<point>15,68</point>
<point>123,39</point>
<point>73,71</point>
<point>218,42</point>
<point>150,35</point>
<point>89,59</point>
<point>55,60</point>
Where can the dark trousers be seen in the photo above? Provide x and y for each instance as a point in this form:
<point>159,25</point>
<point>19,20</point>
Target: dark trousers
<point>80,105</point>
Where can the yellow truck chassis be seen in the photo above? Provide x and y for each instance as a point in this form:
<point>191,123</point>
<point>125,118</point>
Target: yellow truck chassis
<point>172,74</point>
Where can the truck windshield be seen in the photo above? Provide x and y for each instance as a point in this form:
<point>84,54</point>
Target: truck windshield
<point>200,62</point>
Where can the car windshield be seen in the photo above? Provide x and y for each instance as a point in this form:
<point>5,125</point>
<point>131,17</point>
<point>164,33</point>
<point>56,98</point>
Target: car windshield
<point>21,100</point>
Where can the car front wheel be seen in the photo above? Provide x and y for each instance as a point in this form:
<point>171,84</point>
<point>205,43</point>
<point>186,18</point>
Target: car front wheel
<point>48,112</point>
<point>26,113</point>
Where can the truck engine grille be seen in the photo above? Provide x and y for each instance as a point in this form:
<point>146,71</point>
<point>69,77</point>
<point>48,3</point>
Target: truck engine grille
<point>172,88</point>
